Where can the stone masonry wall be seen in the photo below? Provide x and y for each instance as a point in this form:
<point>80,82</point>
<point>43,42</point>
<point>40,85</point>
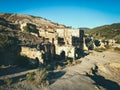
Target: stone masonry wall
<point>32,53</point>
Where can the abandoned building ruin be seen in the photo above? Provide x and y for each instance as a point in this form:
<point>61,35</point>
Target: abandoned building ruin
<point>58,44</point>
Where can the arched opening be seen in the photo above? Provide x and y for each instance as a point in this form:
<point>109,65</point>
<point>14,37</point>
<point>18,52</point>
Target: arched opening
<point>62,55</point>
<point>36,61</point>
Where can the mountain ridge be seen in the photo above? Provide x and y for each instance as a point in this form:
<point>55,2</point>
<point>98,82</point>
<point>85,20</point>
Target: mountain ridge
<point>106,32</point>
<point>22,18</point>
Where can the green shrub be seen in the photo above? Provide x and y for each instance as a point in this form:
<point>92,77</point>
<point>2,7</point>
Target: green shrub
<point>99,49</point>
<point>7,42</point>
<point>68,62</point>
<point>30,76</point>
<point>78,61</point>
<point>8,81</point>
<point>30,28</point>
<point>8,49</point>
<point>89,44</point>
<point>38,77</point>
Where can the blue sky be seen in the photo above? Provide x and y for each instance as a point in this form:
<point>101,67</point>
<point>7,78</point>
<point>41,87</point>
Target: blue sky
<point>75,13</point>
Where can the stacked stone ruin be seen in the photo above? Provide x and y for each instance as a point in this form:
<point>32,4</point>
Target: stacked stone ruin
<point>65,43</point>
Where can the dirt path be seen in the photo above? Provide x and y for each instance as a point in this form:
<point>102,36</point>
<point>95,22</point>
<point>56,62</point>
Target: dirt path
<point>75,77</point>
<point>17,74</point>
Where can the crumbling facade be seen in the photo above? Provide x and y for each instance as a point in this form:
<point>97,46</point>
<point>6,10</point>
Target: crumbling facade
<point>62,44</point>
<point>65,44</point>
<point>32,53</point>
<point>69,41</point>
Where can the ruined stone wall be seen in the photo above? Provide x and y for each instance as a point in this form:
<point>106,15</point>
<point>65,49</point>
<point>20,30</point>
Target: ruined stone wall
<point>67,34</point>
<point>50,50</point>
<point>49,33</point>
<point>69,51</point>
<point>26,24</point>
<point>23,25</point>
<point>85,46</point>
<point>74,42</point>
<point>31,53</point>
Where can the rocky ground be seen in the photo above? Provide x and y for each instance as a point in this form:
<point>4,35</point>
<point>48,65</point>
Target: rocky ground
<point>97,71</point>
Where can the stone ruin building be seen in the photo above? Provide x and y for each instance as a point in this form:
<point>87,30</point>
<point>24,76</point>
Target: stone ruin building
<point>58,44</point>
<point>69,42</point>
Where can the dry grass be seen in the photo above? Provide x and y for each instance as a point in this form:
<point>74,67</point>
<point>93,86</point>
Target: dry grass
<point>99,49</point>
<point>8,81</point>
<point>38,77</point>
<point>68,62</point>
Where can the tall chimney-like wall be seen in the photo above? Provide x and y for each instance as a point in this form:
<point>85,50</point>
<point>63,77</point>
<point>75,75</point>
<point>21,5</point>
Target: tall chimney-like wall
<point>81,35</point>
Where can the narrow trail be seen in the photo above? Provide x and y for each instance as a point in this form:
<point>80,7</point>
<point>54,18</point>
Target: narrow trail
<point>75,77</point>
<point>17,74</point>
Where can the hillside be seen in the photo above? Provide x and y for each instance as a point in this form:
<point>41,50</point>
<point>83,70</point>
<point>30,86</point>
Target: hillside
<point>107,32</point>
<point>38,21</point>
<point>10,25</point>
<point>12,35</point>
<point>85,29</point>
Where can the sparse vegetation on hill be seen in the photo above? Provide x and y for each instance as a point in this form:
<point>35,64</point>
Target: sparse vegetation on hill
<point>30,28</point>
<point>6,42</point>
<point>10,25</point>
<point>107,32</point>
<point>38,77</point>
<point>8,49</point>
<point>85,29</point>
<point>38,21</point>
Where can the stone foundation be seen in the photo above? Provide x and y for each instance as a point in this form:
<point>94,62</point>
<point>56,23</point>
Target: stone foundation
<point>32,53</point>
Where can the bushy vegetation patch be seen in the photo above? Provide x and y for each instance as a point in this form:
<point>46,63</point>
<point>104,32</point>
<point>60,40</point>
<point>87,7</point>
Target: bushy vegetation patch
<point>30,28</point>
<point>38,77</point>
<point>107,32</point>
<point>8,81</point>
<point>7,42</point>
<point>100,49</point>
